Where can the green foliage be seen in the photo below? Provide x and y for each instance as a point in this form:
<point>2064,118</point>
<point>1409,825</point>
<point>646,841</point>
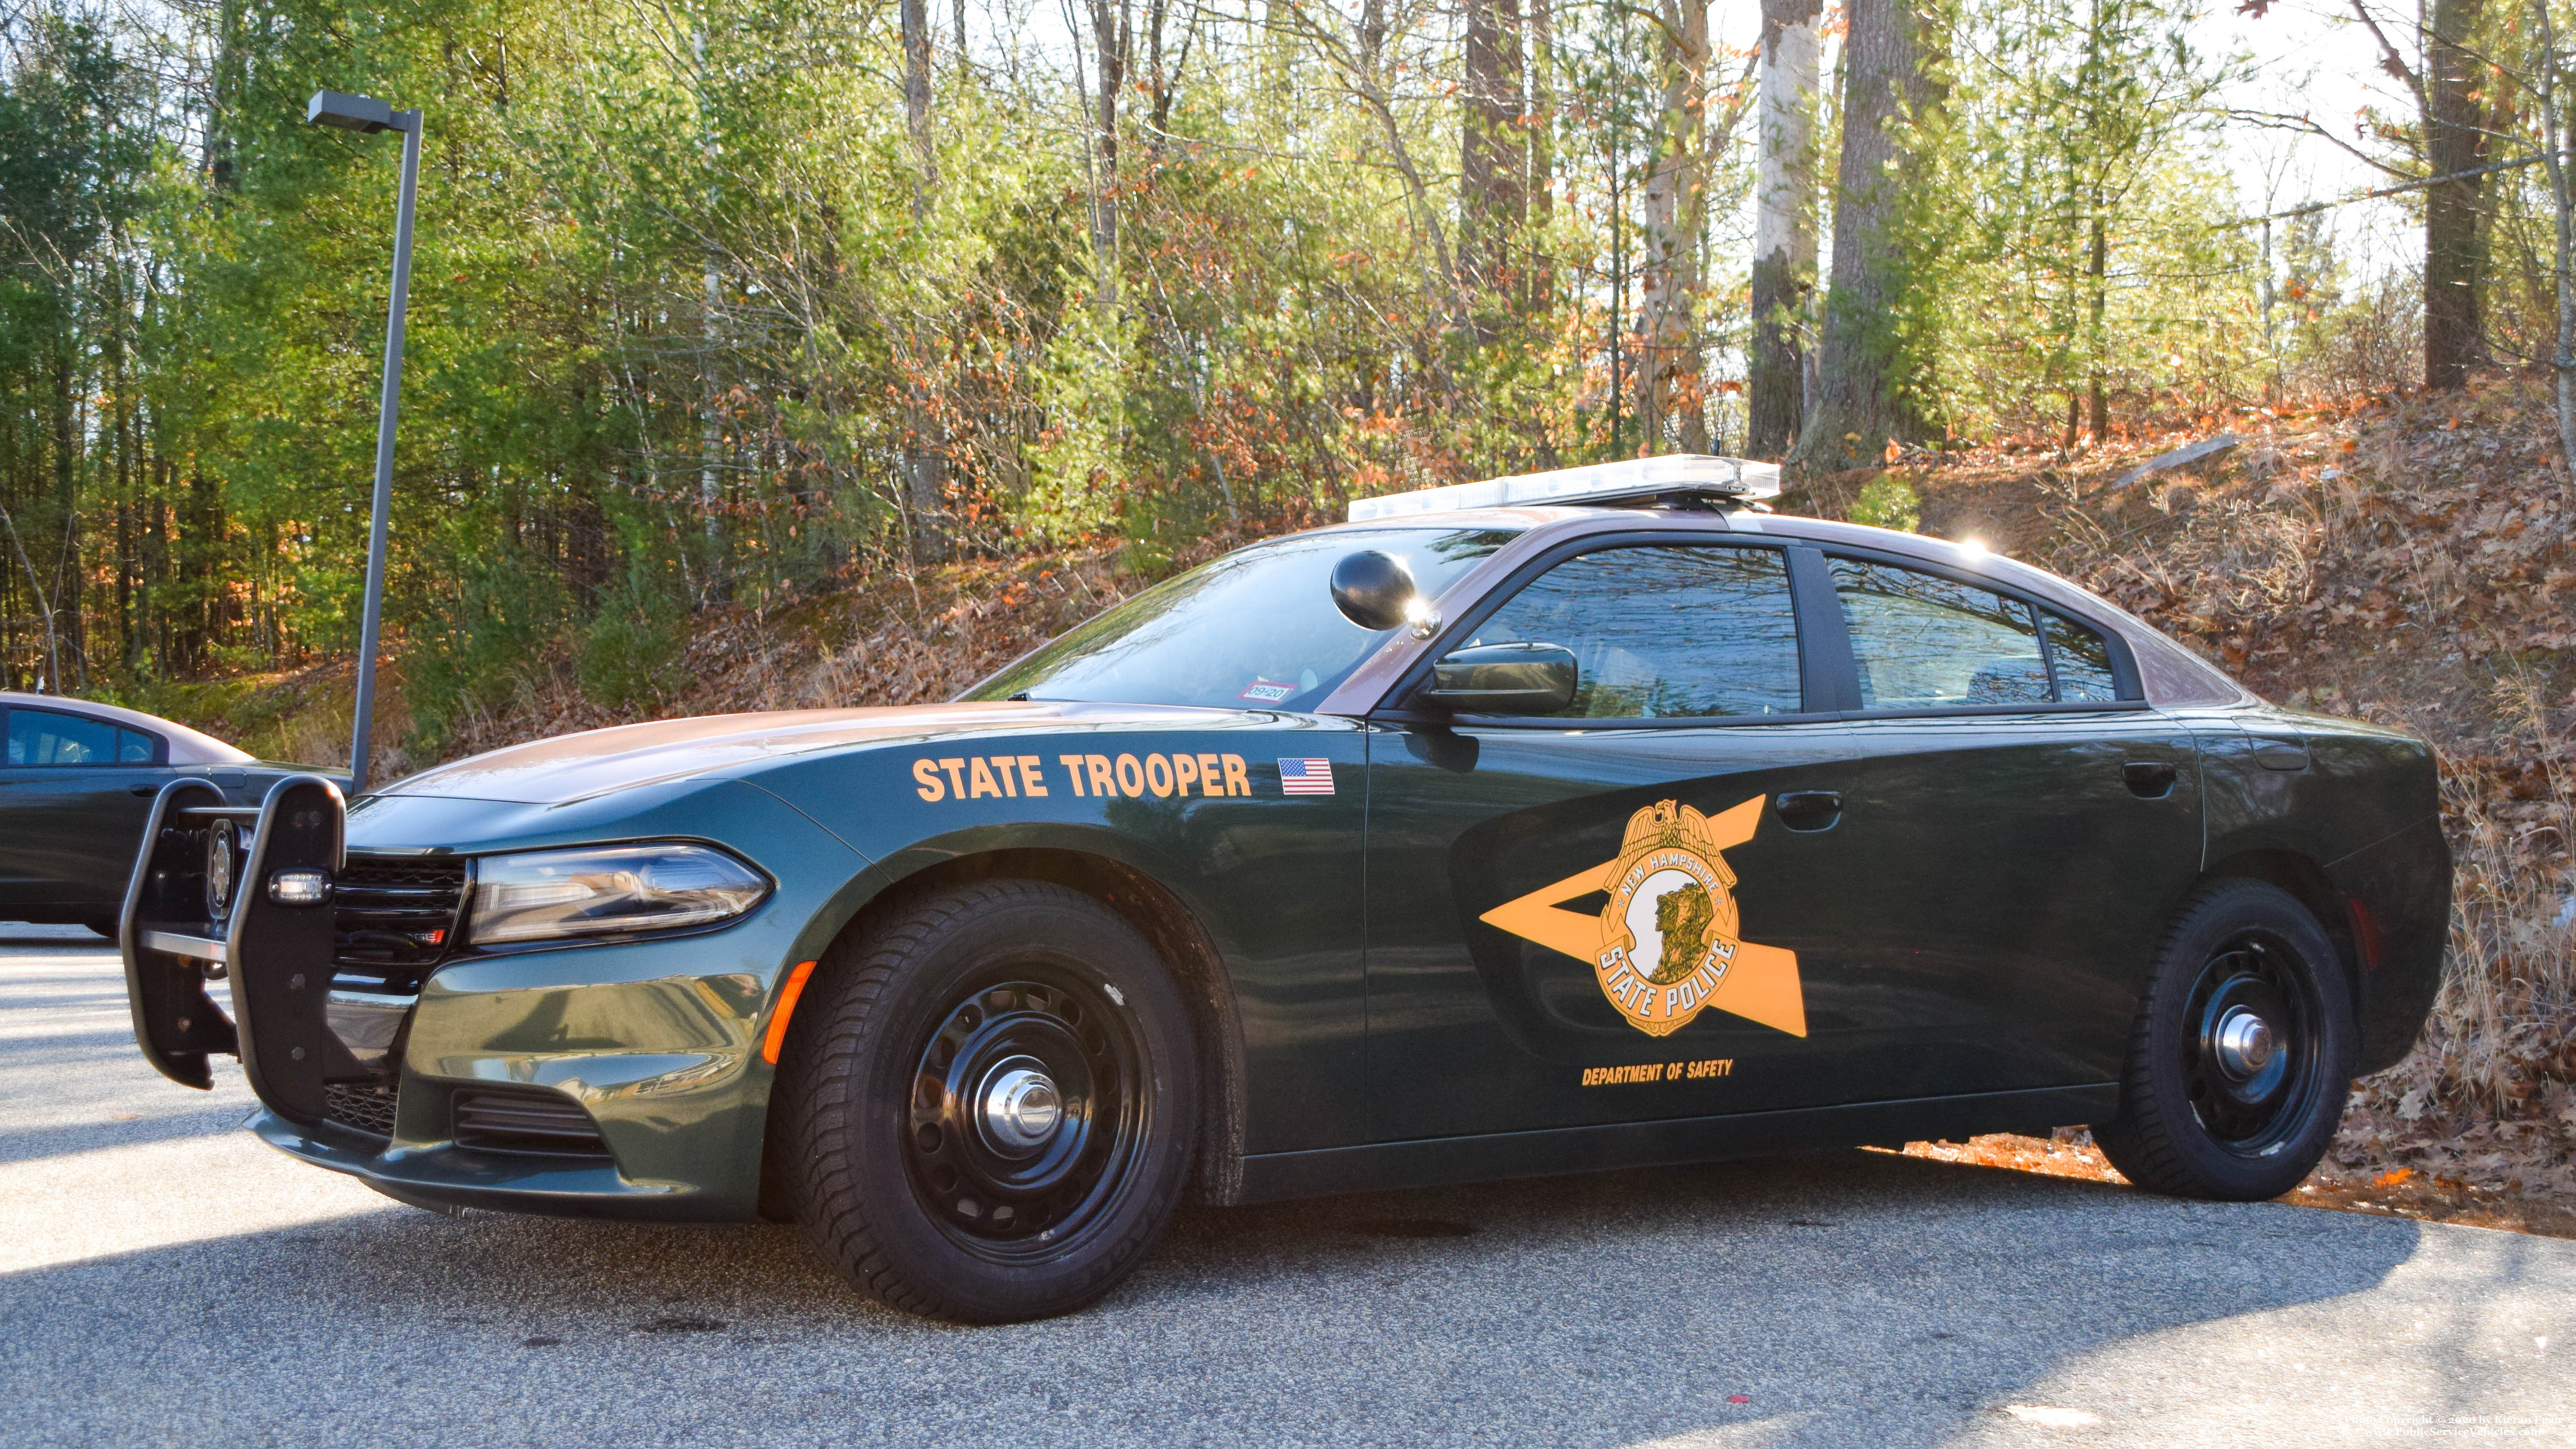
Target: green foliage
<point>691,326</point>
<point>1887,501</point>
<point>2066,217</point>
<point>486,638</point>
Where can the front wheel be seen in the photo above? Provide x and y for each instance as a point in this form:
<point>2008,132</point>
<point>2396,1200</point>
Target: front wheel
<point>991,1100</point>
<point>2242,1054</point>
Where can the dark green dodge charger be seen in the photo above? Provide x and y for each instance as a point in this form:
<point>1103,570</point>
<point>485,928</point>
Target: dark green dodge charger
<point>1551,823</point>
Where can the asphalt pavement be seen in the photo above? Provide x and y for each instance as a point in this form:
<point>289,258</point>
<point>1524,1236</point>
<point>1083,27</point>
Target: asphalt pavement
<point>167,1279</point>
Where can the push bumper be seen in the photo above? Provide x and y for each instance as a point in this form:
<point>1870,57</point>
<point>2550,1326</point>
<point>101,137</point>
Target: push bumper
<point>652,1044</point>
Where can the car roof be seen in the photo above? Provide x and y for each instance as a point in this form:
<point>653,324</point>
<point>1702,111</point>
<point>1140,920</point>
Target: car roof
<point>187,746</point>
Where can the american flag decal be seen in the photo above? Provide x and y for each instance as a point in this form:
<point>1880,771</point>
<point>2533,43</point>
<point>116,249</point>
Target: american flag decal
<point>1306,777</point>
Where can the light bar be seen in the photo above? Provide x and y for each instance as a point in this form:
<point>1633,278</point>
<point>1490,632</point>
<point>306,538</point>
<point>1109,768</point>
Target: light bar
<point>1599,483</point>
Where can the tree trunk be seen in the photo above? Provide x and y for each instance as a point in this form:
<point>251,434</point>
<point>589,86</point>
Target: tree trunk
<point>1491,176</point>
<point>1541,291</point>
<point>1111,27</point>
<point>2097,282</point>
<point>924,461</point>
<point>1784,225</point>
<point>916,104</point>
<point>2455,140</point>
<point>2562,197</point>
<point>68,575</point>
<point>1863,399</point>
<point>1675,203</point>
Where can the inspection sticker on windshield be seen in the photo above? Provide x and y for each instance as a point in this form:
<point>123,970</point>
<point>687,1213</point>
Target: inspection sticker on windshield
<point>1306,777</point>
<point>1267,691</point>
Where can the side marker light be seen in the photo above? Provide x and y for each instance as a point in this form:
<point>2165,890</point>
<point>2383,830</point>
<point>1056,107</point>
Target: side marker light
<point>299,887</point>
<point>777,1034</point>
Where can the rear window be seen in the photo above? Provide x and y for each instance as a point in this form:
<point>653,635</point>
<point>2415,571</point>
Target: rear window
<point>1923,641</point>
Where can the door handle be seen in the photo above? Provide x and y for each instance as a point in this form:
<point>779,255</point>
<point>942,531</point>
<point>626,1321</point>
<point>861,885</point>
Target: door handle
<point>1809,809</point>
<point>142,789</point>
<point>2148,779</point>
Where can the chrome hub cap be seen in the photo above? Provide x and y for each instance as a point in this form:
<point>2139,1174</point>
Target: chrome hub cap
<point>1020,1108</point>
<point>2243,1043</point>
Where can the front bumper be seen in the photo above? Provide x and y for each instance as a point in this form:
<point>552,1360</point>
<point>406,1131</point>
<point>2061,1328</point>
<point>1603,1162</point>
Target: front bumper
<point>655,1041</point>
<point>449,1176</point>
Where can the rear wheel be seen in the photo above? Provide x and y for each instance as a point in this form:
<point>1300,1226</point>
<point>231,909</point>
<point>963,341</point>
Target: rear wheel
<point>2242,1054</point>
<point>992,1098</point>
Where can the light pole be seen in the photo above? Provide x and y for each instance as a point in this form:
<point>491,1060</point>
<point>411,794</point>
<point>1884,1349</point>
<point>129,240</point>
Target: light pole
<point>367,115</point>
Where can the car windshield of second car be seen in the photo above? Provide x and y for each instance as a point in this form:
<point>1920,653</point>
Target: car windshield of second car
<point>1254,629</point>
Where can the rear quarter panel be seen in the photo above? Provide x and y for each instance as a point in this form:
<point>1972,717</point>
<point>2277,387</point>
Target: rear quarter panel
<point>2359,831</point>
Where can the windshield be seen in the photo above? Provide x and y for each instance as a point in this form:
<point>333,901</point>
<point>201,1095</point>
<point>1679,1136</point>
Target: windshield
<point>1256,628</point>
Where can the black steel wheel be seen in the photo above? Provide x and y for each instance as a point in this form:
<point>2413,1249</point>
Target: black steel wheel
<point>986,1103</point>
<point>2242,1054</point>
<point>1028,1114</point>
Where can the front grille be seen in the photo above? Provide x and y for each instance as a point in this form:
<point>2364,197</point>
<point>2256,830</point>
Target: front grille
<point>394,917</point>
<point>525,1120</point>
<point>365,1106</point>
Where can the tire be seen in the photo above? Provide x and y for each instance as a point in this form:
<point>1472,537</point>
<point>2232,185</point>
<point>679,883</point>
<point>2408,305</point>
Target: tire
<point>916,1031</point>
<point>2200,1116</point>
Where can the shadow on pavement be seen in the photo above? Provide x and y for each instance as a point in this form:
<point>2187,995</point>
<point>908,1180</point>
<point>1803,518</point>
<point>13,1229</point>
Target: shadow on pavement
<point>1850,1298</point>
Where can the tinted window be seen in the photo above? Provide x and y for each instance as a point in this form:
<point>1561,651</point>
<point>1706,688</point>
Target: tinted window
<point>2080,658</point>
<point>1254,629</point>
<point>1665,633</point>
<point>51,737</point>
<point>1926,642</point>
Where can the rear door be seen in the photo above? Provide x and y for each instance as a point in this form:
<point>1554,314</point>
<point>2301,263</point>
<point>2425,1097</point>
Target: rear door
<point>75,791</point>
<point>1604,915</point>
<point>2018,826</point>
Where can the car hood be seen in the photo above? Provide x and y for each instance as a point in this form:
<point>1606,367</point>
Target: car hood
<point>575,767</point>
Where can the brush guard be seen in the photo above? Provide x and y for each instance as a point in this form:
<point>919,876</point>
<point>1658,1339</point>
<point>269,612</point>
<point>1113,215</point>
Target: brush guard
<point>177,934</point>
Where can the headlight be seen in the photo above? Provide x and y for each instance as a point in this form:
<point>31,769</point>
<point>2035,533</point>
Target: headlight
<point>546,895</point>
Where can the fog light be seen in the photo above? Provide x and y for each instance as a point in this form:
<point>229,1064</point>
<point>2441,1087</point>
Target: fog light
<point>299,887</point>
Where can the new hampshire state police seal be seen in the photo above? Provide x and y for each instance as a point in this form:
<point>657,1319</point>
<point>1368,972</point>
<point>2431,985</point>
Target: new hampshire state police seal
<point>1666,947</point>
<point>1668,935</point>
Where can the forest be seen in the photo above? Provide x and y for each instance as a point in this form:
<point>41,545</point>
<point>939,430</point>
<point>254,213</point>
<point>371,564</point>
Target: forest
<point>720,303</point>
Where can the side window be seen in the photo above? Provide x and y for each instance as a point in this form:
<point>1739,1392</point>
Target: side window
<point>133,747</point>
<point>2080,658</point>
<point>50,737</point>
<point>1665,632</point>
<point>1926,642</point>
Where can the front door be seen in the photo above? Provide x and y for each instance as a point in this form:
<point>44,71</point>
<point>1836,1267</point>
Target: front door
<point>1606,914</point>
<point>74,792</point>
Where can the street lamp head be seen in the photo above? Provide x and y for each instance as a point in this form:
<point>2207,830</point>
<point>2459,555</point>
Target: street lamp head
<point>364,114</point>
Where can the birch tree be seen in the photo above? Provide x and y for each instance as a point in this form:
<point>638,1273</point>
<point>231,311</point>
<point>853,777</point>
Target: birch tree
<point>1784,227</point>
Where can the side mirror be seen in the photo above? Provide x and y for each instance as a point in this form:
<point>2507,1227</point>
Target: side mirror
<point>1376,591</point>
<point>1527,678</point>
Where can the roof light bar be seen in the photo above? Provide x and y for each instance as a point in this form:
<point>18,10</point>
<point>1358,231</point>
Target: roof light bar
<point>1599,483</point>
